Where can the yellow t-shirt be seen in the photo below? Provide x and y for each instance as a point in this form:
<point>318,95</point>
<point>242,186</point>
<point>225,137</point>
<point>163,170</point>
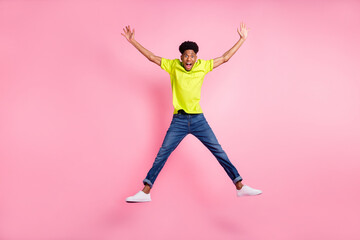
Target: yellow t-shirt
<point>186,85</point>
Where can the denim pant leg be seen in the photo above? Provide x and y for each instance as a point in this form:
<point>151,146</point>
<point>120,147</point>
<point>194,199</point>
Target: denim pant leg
<point>202,130</point>
<point>175,134</point>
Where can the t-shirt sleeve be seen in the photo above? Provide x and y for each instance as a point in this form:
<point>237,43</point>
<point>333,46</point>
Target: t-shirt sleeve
<point>209,65</point>
<point>166,64</point>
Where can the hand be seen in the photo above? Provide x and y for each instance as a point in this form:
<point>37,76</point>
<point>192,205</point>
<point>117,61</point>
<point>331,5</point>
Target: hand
<point>243,31</point>
<point>130,35</point>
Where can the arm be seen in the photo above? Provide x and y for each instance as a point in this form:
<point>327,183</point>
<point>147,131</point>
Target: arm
<point>130,36</point>
<point>226,56</point>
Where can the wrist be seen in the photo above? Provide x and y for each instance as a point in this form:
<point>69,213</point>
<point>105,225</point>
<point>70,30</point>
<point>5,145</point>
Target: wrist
<point>132,41</point>
<point>242,39</point>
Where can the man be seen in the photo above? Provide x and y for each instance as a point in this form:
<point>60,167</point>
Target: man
<point>186,80</point>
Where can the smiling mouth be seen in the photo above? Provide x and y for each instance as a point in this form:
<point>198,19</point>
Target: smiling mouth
<point>188,65</point>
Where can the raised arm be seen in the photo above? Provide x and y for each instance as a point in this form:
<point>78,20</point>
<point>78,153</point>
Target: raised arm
<point>130,36</point>
<point>226,56</point>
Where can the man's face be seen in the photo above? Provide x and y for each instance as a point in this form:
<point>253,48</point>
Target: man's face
<point>188,59</point>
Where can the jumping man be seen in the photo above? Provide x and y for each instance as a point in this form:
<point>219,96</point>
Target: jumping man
<point>187,78</point>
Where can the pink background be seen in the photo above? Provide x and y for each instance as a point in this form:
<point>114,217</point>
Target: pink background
<point>83,114</point>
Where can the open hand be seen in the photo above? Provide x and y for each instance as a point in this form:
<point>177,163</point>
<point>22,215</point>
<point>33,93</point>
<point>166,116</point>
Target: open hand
<point>130,35</point>
<point>243,32</point>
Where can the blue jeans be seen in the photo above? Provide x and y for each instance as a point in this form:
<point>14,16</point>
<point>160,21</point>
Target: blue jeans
<point>196,124</point>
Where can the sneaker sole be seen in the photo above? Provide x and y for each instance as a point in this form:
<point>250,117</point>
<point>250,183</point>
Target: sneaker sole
<point>139,201</point>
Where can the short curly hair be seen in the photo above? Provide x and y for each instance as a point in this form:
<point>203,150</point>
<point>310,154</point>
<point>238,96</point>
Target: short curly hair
<point>188,45</point>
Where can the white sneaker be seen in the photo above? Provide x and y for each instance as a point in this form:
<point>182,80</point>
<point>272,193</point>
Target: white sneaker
<point>247,191</point>
<point>139,197</point>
